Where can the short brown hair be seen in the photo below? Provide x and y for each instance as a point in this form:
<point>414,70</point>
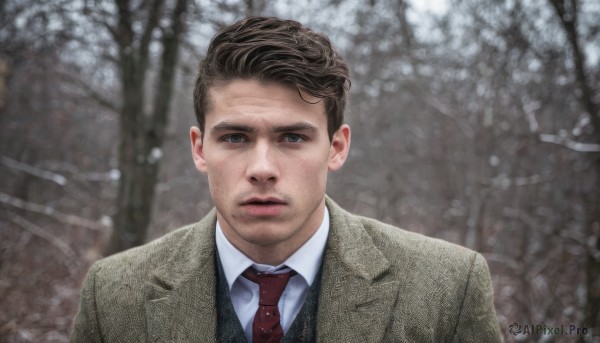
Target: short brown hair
<point>271,49</point>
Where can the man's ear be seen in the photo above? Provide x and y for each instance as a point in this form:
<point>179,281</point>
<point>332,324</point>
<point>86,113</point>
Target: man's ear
<point>197,148</point>
<point>340,145</point>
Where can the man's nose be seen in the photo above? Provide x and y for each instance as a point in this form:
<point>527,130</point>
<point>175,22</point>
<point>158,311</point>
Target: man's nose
<point>262,165</point>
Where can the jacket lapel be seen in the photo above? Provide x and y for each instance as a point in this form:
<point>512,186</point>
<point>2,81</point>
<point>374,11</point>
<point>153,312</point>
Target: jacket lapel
<point>181,295</point>
<point>356,299</point>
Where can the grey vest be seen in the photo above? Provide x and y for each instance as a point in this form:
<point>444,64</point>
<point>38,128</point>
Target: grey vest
<point>229,328</point>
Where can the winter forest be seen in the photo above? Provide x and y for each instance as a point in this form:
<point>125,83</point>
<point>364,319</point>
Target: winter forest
<point>473,121</point>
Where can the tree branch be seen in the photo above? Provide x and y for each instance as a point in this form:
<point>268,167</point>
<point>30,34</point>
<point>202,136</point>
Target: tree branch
<point>503,181</point>
<point>444,110</point>
<point>43,174</point>
<point>155,10</point>
<point>569,143</point>
<point>91,92</point>
<point>43,234</point>
<point>168,67</point>
<point>567,12</point>
<point>566,142</point>
<point>51,212</point>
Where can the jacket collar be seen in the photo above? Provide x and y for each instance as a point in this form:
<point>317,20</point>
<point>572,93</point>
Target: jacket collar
<point>356,299</point>
<point>181,295</point>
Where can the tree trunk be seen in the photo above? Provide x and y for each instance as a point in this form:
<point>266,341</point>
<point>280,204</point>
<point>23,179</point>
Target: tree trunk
<point>142,134</point>
<point>567,13</point>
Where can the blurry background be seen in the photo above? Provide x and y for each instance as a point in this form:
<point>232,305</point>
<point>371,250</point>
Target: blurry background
<point>477,122</point>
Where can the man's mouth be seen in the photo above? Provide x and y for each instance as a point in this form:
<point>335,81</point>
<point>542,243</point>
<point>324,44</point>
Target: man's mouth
<point>263,201</point>
<point>263,206</point>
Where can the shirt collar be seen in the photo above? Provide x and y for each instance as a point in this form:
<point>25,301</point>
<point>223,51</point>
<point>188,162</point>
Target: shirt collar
<point>306,261</point>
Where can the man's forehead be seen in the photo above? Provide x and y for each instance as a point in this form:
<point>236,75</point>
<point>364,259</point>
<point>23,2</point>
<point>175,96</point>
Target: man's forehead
<point>273,127</point>
<point>248,88</point>
<point>251,100</point>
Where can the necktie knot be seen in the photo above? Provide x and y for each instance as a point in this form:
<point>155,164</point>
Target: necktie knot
<point>271,286</point>
<point>266,326</point>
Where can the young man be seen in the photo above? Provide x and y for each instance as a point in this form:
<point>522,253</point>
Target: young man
<point>277,260</point>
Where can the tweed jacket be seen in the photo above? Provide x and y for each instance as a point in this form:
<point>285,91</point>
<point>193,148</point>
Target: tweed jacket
<point>379,284</point>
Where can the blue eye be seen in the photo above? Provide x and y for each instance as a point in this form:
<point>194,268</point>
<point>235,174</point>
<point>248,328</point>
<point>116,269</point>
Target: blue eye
<point>293,138</point>
<point>235,138</point>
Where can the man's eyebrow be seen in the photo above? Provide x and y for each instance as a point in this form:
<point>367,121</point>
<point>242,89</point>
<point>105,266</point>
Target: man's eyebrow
<point>294,127</point>
<point>228,126</point>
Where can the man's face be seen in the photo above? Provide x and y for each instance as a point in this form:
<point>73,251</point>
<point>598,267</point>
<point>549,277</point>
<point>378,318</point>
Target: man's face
<point>267,154</point>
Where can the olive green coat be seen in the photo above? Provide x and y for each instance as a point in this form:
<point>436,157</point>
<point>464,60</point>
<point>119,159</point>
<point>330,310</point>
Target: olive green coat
<point>380,284</point>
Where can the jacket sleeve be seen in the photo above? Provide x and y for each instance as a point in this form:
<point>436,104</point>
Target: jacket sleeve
<point>85,327</point>
<point>477,320</point>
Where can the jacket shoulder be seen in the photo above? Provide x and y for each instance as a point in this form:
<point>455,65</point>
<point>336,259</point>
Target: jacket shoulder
<point>440,280</point>
<point>145,258</point>
<point>392,240</point>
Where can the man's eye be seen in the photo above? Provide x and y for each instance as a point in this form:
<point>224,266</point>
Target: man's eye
<point>293,138</point>
<point>234,138</point>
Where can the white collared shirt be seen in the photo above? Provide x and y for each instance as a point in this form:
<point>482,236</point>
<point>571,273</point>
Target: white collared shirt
<point>306,261</point>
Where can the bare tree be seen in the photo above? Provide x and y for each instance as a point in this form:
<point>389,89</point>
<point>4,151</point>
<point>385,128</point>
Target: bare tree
<point>568,12</point>
<point>142,127</point>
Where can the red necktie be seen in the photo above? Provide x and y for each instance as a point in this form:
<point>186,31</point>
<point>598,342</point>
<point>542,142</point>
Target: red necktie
<point>266,327</point>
